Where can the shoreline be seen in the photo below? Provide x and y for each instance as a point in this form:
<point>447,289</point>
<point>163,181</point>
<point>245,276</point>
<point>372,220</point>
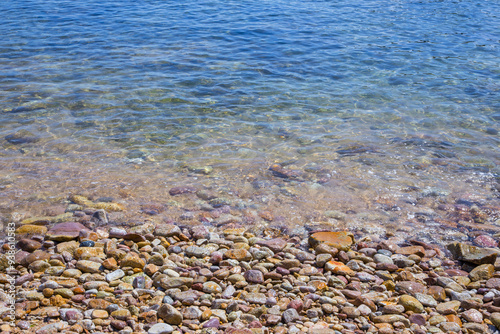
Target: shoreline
<point>77,272</point>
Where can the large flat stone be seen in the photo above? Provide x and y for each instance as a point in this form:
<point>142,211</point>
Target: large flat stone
<point>341,240</point>
<point>65,231</point>
<point>472,254</point>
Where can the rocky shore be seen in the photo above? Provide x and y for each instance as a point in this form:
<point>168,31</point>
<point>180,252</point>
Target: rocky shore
<point>77,273</point>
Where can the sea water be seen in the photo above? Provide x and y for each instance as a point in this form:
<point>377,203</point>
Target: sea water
<point>386,109</point>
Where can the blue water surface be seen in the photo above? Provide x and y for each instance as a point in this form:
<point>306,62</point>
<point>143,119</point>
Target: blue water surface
<point>191,79</point>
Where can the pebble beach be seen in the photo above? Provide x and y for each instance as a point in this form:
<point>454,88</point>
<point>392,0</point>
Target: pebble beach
<point>81,272</point>
<point>249,167</point>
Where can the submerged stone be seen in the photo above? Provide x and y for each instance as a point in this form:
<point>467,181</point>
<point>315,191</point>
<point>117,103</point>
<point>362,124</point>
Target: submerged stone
<point>340,240</point>
<point>65,231</point>
<point>472,254</point>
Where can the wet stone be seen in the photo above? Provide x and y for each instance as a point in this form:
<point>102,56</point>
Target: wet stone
<point>29,245</point>
<point>472,254</point>
<point>65,231</point>
<point>411,304</point>
<point>85,253</point>
<point>418,250</point>
<point>22,137</point>
<point>493,283</point>
<point>132,260</point>
<point>167,230</point>
<point>351,312</point>
<point>276,245</point>
<point>37,255</point>
<point>100,314</point>
<point>482,272</point>
<point>437,292</point>
<point>472,315</point>
<point>118,324</point>
<point>340,240</point>
<point>121,314</point>
<point>115,232</point>
<point>31,230</point>
<point>449,327</point>
<point>135,237</point>
<point>181,190</point>
<point>87,243</point>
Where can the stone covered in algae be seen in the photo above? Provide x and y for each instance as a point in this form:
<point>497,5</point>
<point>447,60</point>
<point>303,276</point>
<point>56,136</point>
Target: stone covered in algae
<point>84,201</point>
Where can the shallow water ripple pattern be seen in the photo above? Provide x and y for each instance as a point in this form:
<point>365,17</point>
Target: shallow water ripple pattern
<point>390,85</point>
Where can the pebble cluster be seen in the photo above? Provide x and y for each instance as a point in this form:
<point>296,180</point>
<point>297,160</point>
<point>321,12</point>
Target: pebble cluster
<point>165,278</point>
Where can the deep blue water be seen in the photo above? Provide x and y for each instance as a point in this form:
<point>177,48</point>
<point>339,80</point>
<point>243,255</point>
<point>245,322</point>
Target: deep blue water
<point>240,81</point>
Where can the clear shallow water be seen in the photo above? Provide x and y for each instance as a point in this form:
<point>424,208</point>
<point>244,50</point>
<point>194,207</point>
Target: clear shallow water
<point>375,101</point>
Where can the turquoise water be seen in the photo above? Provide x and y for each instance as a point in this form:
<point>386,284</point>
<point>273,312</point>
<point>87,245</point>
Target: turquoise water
<point>387,94</point>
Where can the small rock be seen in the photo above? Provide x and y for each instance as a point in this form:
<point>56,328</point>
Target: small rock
<point>139,282</point>
<point>28,245</point>
<point>482,272</point>
<point>238,254</point>
<point>485,241</point>
<point>448,307</point>
<point>493,283</point>
<point>472,315</point>
<point>167,230</point>
<point>88,266</point>
<point>211,287</point>
<point>181,190</point>
<point>411,304</point>
<point>495,319</point>
<point>160,328</point>
<point>31,230</point>
<point>290,315</point>
<point>339,268</point>
<point>340,240</point>
<point>254,276</point>
<point>65,231</point>
<point>472,254</point>
<point>426,300</point>
<point>418,319</point>
<point>276,245</point>
<point>87,243</point>
<point>170,314</point>
<point>212,323</point>
<point>196,251</point>
<point>256,298</point>
<point>410,287</point>
<point>132,260</point>
<point>52,328</point>
<point>100,314</point>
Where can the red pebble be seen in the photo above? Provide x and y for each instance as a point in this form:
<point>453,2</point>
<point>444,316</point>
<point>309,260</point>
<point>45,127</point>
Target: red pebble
<point>485,241</point>
<point>296,304</point>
